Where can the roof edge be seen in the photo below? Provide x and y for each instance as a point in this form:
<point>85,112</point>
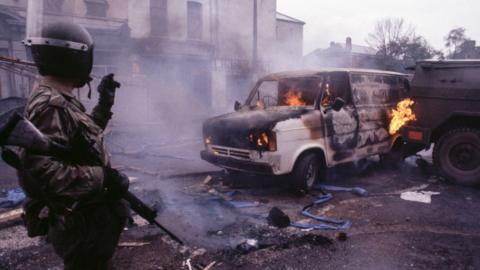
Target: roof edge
<point>289,18</point>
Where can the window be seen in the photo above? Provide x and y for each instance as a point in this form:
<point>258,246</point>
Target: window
<point>267,94</point>
<point>158,18</point>
<point>194,20</point>
<point>286,92</point>
<point>54,5</point>
<point>336,85</point>
<point>96,8</point>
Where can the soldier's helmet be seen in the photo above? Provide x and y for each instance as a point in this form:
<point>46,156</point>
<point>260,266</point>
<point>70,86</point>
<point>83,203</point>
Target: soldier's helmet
<point>63,49</point>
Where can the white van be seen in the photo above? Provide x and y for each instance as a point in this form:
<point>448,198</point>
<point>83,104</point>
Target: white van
<point>302,123</point>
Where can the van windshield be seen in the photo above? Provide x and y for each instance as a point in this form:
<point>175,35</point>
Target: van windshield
<point>298,92</point>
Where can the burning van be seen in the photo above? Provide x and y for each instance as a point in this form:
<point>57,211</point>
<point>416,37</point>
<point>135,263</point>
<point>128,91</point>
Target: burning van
<point>301,123</point>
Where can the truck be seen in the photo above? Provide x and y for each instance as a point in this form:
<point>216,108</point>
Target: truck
<point>300,123</point>
<point>446,105</point>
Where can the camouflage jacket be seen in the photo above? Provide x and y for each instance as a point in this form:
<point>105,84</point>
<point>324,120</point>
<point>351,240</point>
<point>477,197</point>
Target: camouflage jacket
<point>58,114</point>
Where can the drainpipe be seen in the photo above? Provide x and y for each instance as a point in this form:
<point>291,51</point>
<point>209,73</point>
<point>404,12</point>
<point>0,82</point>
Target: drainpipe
<point>255,35</point>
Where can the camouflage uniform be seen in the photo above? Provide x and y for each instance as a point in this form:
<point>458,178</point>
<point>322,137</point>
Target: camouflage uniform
<point>83,225</point>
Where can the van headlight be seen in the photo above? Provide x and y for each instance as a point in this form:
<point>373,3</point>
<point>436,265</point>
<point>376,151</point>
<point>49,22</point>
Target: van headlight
<point>264,141</point>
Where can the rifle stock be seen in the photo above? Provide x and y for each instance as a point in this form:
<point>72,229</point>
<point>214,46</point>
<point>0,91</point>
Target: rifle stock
<point>20,132</point>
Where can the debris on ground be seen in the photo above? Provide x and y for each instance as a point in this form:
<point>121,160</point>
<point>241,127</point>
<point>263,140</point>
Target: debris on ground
<point>10,215</point>
<point>355,190</point>
<point>133,244</point>
<point>326,223</point>
<point>240,204</point>
<point>188,264</point>
<point>341,236</point>
<point>199,252</point>
<point>418,196</point>
<point>248,246</point>
<point>207,180</point>
<point>411,189</point>
<point>11,218</point>
<point>278,218</point>
<point>12,198</point>
<point>228,199</point>
<point>210,265</point>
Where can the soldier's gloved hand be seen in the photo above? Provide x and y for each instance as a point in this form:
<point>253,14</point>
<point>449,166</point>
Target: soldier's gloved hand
<point>116,183</point>
<point>106,90</point>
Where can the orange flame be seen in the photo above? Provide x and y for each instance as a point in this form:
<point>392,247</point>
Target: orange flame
<point>263,140</point>
<point>401,115</point>
<point>294,98</point>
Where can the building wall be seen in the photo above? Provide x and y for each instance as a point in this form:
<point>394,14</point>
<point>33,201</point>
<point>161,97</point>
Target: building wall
<point>235,67</point>
<point>14,3</point>
<point>12,32</point>
<point>235,28</point>
<point>267,11</point>
<point>289,45</point>
<point>139,19</point>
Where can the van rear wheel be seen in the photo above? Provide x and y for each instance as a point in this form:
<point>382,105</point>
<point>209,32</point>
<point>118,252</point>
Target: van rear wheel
<point>457,156</point>
<point>307,172</point>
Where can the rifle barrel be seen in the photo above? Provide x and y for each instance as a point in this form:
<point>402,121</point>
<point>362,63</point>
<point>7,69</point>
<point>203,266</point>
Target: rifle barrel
<point>147,213</point>
<point>173,236</point>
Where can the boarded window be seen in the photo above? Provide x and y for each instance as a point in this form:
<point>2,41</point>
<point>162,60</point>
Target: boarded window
<point>376,89</point>
<point>194,20</point>
<point>159,18</point>
<point>96,8</point>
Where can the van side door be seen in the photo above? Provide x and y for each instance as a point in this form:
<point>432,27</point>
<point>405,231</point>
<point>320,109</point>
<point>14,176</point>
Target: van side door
<point>341,127</point>
<point>372,97</point>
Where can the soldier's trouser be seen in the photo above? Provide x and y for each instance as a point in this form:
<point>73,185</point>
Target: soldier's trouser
<point>87,240</point>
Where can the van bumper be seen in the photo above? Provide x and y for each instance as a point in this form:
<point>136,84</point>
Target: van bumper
<point>237,164</point>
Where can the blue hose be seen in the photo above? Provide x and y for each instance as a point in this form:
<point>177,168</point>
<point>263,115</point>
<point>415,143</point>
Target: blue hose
<point>327,223</point>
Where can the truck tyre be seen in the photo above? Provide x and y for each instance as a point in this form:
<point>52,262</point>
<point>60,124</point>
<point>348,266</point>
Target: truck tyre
<point>306,173</point>
<point>457,156</point>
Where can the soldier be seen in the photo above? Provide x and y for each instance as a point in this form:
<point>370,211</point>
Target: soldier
<point>75,202</point>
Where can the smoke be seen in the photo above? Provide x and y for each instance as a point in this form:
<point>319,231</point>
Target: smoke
<point>170,85</point>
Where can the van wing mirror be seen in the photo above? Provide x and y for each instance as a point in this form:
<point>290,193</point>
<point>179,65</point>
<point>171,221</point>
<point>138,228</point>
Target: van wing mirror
<point>237,106</point>
<point>338,104</point>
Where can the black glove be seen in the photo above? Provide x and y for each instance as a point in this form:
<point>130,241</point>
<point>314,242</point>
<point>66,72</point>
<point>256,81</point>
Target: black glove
<point>116,183</point>
<point>106,90</point>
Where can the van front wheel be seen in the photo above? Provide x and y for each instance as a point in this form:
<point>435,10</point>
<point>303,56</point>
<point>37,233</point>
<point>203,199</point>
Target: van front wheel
<point>307,172</point>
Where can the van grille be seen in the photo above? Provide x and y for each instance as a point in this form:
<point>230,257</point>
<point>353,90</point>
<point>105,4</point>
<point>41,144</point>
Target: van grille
<point>230,152</point>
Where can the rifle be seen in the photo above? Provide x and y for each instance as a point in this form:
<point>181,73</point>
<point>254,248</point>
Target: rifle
<point>20,132</point>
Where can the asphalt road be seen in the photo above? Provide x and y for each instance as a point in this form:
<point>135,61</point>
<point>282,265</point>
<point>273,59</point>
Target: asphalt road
<point>387,231</point>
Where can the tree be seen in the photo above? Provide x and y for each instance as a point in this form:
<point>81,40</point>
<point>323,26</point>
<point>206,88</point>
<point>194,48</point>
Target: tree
<point>454,39</point>
<point>459,46</point>
<point>417,48</point>
<point>397,44</point>
<point>387,38</point>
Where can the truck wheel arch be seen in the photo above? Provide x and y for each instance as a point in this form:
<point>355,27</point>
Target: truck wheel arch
<point>456,120</point>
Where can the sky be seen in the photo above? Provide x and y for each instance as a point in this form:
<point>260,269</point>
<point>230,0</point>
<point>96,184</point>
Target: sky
<point>334,20</point>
